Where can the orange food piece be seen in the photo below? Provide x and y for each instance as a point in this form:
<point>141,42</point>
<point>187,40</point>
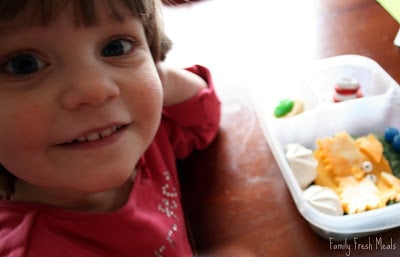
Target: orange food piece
<point>357,171</point>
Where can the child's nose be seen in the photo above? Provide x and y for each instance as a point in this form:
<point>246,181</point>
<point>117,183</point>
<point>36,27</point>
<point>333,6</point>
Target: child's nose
<point>88,88</point>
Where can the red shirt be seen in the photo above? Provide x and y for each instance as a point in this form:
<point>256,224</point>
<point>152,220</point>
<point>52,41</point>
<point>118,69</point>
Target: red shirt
<point>150,224</point>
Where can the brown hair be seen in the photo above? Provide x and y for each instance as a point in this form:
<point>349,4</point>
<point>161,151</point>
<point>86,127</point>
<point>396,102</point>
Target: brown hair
<point>43,12</point>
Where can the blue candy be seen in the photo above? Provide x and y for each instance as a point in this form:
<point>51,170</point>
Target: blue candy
<point>390,134</point>
<point>396,143</point>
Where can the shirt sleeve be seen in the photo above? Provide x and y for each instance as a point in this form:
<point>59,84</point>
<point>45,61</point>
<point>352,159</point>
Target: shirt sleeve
<point>193,123</point>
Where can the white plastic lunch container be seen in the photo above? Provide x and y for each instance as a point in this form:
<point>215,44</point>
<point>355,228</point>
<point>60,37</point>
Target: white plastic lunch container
<point>377,109</point>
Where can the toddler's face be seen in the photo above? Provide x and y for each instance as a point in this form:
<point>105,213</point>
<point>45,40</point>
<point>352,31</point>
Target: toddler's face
<point>78,105</point>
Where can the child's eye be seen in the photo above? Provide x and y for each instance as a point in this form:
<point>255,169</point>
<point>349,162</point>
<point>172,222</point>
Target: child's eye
<point>117,47</point>
<point>23,64</point>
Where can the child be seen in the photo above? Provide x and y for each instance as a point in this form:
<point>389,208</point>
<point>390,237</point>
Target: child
<point>91,124</point>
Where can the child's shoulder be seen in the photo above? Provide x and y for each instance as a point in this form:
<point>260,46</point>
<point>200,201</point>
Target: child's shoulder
<point>16,222</point>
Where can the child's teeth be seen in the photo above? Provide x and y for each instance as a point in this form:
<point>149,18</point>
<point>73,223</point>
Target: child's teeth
<point>92,136</point>
<point>107,132</point>
<point>95,136</point>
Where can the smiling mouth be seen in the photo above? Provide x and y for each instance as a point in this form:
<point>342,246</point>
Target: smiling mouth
<point>94,136</point>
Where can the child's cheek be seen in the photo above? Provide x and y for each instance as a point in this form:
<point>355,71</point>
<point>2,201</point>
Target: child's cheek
<point>23,128</point>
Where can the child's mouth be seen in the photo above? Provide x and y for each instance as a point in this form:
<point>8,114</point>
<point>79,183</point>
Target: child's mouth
<point>95,136</point>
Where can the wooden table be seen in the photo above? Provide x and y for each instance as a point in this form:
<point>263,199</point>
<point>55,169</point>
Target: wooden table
<point>236,200</point>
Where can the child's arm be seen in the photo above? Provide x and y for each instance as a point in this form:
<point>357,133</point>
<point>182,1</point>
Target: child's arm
<point>179,84</point>
<point>192,115</point>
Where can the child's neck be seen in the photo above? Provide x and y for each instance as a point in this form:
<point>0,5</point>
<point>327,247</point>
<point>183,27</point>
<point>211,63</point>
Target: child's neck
<point>110,200</point>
